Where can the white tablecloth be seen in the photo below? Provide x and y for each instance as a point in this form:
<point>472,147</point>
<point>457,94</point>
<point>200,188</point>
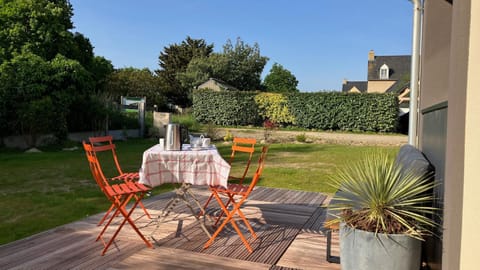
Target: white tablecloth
<point>197,167</point>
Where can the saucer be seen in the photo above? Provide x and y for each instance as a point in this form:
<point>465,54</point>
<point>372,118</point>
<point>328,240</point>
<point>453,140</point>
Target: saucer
<point>201,148</point>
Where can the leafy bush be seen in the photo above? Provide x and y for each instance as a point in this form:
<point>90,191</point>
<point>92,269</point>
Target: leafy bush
<point>274,107</point>
<point>228,136</point>
<point>301,137</point>
<point>268,128</point>
<point>228,108</point>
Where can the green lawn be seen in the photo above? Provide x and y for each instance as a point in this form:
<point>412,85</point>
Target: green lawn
<point>42,190</point>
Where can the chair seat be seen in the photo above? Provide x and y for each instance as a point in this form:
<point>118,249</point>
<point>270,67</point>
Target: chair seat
<point>126,188</point>
<point>234,189</point>
<point>127,176</point>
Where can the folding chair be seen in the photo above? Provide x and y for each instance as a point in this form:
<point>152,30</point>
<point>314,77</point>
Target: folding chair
<point>246,146</point>
<point>241,192</point>
<point>103,144</point>
<point>119,194</point>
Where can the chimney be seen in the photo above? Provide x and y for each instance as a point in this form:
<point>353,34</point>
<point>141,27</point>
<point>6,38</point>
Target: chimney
<point>344,81</point>
<point>371,55</point>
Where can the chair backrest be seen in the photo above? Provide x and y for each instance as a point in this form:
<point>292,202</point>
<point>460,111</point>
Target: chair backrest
<point>105,143</point>
<point>95,168</point>
<point>243,145</point>
<point>259,171</point>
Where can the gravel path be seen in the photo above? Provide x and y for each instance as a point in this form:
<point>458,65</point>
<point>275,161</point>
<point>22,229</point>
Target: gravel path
<point>323,137</point>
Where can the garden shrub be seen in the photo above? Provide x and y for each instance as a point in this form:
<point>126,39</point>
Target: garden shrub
<point>273,106</point>
<point>301,138</point>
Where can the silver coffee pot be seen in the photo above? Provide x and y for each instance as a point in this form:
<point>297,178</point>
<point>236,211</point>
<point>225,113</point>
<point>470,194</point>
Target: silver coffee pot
<point>173,137</point>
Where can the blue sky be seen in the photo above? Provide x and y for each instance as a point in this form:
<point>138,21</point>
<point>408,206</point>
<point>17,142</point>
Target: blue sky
<point>321,42</point>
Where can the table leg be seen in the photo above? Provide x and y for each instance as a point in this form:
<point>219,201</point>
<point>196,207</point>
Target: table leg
<point>181,194</point>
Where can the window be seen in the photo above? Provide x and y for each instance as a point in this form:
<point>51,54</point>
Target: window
<point>384,72</point>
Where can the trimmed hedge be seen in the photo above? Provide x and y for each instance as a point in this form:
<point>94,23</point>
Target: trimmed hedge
<point>323,111</point>
<point>342,111</point>
<point>226,108</point>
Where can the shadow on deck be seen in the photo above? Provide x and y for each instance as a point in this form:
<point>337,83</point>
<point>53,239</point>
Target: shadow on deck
<point>288,225</point>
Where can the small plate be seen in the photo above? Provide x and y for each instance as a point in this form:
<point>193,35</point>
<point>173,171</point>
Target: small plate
<point>201,148</point>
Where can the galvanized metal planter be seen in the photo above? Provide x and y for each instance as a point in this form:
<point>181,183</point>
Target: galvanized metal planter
<point>362,250</point>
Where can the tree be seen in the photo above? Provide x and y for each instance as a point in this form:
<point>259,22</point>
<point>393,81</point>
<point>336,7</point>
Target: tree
<point>37,94</point>
<point>240,66</point>
<point>37,26</point>
<point>136,82</point>
<point>280,80</point>
<point>80,49</point>
<point>47,72</point>
<point>245,65</point>
<point>101,68</point>
<point>175,59</point>
<point>200,69</point>
<point>23,79</point>
<point>70,83</point>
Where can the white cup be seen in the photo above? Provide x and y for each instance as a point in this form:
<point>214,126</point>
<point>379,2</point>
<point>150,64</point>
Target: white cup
<point>161,142</point>
<point>206,142</point>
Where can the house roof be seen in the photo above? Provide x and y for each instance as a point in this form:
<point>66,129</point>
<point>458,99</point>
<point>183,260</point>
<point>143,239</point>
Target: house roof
<point>218,82</point>
<point>398,87</point>
<point>398,65</point>
<point>360,85</point>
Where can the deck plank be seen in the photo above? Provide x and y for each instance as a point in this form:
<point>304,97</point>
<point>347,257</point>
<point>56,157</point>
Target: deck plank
<point>168,258</point>
<point>289,225</point>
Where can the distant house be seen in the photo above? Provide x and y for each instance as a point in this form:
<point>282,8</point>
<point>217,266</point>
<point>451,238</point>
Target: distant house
<point>386,74</point>
<point>216,85</point>
<point>354,86</point>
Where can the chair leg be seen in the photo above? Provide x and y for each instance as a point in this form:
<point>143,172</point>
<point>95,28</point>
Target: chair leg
<point>229,218</point>
<point>113,205</point>
<point>245,220</point>
<point>244,240</point>
<point>236,209</point>
<point>120,208</point>
<point>222,213</point>
<point>106,215</point>
<point>134,227</point>
<point>240,213</point>
<point>117,211</point>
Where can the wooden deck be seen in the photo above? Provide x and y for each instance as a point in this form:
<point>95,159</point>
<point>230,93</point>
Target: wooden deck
<point>288,224</point>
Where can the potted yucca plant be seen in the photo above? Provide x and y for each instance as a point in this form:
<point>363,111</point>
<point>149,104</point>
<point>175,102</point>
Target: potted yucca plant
<point>384,210</point>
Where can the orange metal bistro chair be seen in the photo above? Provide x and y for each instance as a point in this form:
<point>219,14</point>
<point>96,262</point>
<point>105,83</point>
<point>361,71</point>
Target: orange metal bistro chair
<point>245,146</point>
<point>237,194</point>
<point>105,144</point>
<point>119,194</point>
